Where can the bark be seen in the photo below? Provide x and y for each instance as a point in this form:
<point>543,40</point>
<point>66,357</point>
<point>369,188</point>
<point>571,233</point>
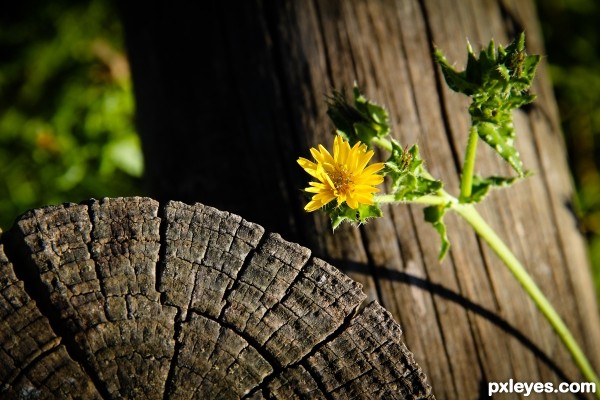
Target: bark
<point>126,298</point>
<point>229,98</point>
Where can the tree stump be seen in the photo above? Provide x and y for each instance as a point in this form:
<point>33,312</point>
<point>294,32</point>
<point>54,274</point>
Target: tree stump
<point>127,298</point>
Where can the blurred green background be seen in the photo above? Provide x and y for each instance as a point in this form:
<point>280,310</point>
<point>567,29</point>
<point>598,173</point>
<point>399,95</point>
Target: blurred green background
<point>572,37</point>
<point>66,105</point>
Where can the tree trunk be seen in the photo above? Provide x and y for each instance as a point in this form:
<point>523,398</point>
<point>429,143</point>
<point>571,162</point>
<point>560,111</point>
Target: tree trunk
<point>123,298</point>
<point>228,98</point>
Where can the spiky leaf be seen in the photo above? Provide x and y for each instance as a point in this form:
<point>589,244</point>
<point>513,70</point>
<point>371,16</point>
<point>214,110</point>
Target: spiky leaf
<point>498,82</point>
<point>409,178</point>
<point>435,216</point>
<point>361,120</point>
<point>501,139</point>
<point>342,212</point>
<point>481,186</point>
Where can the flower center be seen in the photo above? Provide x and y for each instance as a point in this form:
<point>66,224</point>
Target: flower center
<point>342,180</point>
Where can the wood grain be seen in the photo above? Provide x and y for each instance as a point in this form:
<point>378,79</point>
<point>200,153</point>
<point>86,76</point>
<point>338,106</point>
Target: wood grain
<point>228,99</point>
<point>35,364</point>
<point>125,298</point>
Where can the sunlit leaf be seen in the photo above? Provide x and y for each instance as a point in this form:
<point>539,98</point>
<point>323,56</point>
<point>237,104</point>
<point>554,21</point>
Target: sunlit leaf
<point>498,82</point>
<point>501,139</point>
<point>435,216</point>
<point>409,179</point>
<point>342,212</point>
<point>359,121</point>
<point>481,186</point>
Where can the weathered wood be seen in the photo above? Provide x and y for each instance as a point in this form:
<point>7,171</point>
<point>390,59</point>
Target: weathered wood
<point>34,362</point>
<point>228,99</point>
<point>125,298</point>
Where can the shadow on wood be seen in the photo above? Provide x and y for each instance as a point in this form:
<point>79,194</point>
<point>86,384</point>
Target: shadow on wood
<point>125,298</point>
<point>229,97</point>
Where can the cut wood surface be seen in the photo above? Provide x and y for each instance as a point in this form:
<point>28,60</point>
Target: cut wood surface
<point>127,298</point>
<point>228,99</point>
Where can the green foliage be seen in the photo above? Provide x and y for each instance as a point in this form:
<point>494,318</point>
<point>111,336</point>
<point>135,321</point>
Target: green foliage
<point>435,216</point>
<point>498,82</point>
<point>340,213</point>
<point>359,122</point>
<point>572,39</point>
<point>409,178</point>
<point>481,186</point>
<point>410,182</point>
<point>66,107</point>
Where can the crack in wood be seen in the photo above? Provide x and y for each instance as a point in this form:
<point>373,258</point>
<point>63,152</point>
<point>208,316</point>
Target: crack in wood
<point>264,384</point>
<point>240,273</point>
<point>301,304</point>
<point>169,381</point>
<point>439,88</point>
<point>26,271</point>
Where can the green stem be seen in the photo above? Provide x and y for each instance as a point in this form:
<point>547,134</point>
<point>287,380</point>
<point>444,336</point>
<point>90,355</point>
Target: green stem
<point>470,214</point>
<point>428,199</point>
<point>466,183</point>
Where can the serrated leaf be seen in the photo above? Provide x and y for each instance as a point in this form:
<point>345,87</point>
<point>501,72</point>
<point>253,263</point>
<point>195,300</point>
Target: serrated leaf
<point>366,212</point>
<point>508,65</point>
<point>457,81</point>
<point>358,122</point>
<point>342,212</point>
<point>472,71</point>
<point>376,114</point>
<point>487,58</point>
<point>503,72</point>
<point>501,139</point>
<point>343,114</point>
<point>409,180</point>
<point>435,216</point>
<point>517,45</point>
<point>521,100</point>
<point>481,186</point>
<point>529,66</point>
<point>363,132</point>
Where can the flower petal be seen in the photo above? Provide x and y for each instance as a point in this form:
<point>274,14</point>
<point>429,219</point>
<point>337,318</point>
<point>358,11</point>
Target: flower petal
<point>352,203</point>
<point>363,160</point>
<point>309,166</point>
<point>371,169</point>
<point>364,198</point>
<point>313,190</point>
<point>312,206</point>
<point>368,180</point>
<point>365,189</point>
<point>324,197</point>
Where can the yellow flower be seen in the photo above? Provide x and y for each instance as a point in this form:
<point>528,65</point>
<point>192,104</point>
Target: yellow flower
<point>343,176</point>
